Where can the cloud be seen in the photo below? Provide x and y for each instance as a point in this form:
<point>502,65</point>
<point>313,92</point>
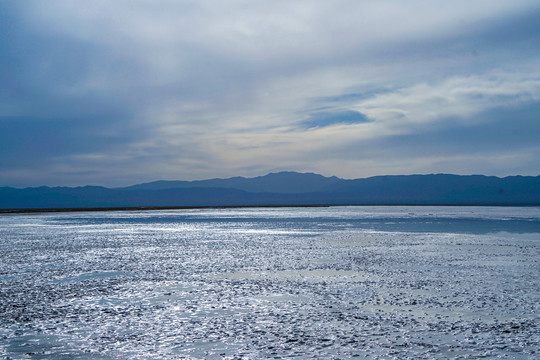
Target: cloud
<point>128,91</point>
<point>456,98</point>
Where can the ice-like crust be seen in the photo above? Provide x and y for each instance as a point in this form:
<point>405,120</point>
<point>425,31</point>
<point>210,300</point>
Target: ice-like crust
<point>272,283</point>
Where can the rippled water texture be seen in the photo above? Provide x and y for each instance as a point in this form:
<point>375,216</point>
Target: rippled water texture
<point>343,282</point>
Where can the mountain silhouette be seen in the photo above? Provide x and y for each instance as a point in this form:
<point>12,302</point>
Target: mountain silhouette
<point>285,182</point>
<point>287,188</point>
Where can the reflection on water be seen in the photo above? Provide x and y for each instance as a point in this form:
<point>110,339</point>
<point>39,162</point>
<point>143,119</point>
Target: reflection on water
<point>438,219</point>
<point>365,282</point>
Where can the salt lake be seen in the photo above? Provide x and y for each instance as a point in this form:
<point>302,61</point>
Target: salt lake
<point>388,282</point>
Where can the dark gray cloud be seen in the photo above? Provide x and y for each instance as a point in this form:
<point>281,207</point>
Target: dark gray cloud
<point>31,142</point>
<point>121,92</point>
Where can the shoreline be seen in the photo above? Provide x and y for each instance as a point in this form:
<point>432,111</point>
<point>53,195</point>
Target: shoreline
<point>150,208</point>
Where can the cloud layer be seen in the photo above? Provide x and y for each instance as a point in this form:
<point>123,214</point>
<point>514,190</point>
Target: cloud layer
<point>116,93</point>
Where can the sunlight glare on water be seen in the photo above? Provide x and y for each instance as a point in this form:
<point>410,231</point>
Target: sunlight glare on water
<point>338,282</point>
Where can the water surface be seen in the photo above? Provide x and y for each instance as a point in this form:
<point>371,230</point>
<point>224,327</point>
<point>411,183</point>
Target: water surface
<point>339,282</point>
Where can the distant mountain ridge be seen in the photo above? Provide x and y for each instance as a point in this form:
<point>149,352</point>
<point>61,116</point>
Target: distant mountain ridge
<point>288,188</point>
<point>286,182</point>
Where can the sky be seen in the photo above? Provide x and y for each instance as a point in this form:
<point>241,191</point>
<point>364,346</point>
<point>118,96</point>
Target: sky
<point>121,92</point>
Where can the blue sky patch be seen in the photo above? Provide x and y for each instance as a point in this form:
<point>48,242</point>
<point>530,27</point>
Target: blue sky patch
<point>328,118</point>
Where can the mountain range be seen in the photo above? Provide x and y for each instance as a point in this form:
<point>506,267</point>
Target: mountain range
<point>287,188</point>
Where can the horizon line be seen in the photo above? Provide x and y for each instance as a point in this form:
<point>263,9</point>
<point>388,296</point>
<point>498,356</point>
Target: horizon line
<point>261,176</point>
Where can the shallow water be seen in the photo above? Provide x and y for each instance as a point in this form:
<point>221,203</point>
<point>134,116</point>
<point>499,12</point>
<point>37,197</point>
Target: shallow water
<point>338,282</point>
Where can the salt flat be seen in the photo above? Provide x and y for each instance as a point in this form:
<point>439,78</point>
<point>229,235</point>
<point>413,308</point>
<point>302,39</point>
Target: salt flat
<point>338,282</point>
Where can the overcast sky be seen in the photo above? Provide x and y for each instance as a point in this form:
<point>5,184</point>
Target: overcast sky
<point>121,92</point>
